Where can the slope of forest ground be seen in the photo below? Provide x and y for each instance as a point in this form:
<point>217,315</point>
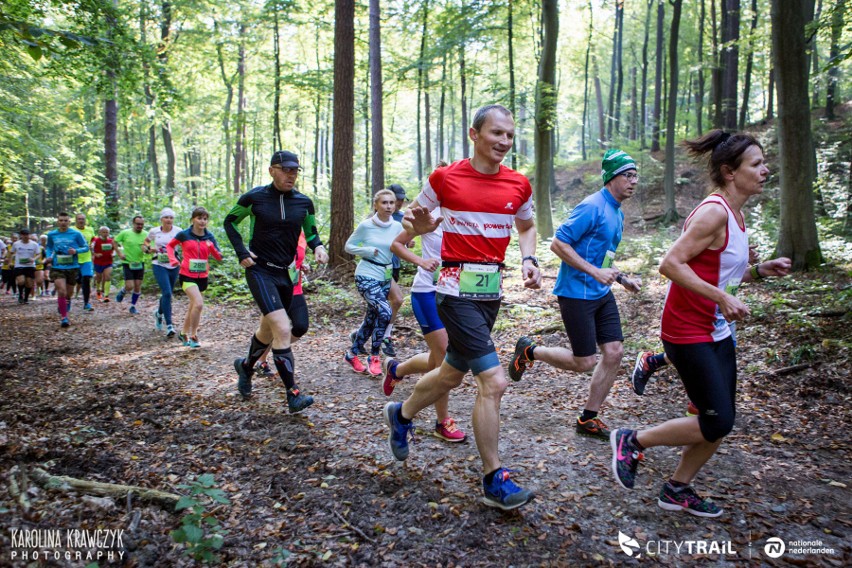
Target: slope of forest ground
<point>111,400</point>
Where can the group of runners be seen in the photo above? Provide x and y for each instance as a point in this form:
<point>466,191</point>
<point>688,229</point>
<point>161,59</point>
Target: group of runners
<point>464,216</point>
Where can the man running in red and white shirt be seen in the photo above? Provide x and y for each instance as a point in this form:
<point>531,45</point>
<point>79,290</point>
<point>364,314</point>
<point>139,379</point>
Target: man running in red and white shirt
<point>480,200</point>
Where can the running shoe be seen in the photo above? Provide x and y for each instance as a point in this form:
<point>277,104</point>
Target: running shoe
<point>355,362</point>
<point>158,320</point>
<point>399,432</point>
<point>391,380</point>
<point>182,338</point>
<point>88,307</point>
<point>691,409</point>
<point>120,296</point>
<point>297,402</point>
<point>193,343</point>
<point>503,493</point>
<point>64,322</point>
<point>244,377</point>
<point>106,299</point>
<point>594,427</point>
<point>264,370</point>
<point>521,360</point>
<point>449,431</point>
<point>99,296</point>
<point>686,500</point>
<point>133,309</point>
<point>170,331</point>
<point>625,457</point>
<point>388,348</point>
<point>374,365</point>
<point>642,372</point>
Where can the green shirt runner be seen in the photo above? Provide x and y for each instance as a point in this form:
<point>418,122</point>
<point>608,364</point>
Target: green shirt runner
<point>132,243</point>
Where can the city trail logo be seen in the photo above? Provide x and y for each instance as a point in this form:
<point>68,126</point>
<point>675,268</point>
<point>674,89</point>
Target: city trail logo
<point>628,545</point>
<point>774,547</point>
<point>67,544</point>
<point>631,547</point>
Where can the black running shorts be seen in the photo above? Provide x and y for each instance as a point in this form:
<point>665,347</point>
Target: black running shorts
<point>590,323</point>
<point>270,288</point>
<point>469,324</point>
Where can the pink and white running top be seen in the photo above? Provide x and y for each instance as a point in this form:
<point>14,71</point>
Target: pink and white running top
<point>430,244</point>
<point>479,212</point>
<point>691,318</point>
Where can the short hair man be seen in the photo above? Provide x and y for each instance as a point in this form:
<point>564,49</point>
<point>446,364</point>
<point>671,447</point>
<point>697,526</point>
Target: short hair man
<point>132,256</point>
<point>482,200</point>
<point>587,243</point>
<point>63,246</point>
<point>26,252</point>
<point>279,214</point>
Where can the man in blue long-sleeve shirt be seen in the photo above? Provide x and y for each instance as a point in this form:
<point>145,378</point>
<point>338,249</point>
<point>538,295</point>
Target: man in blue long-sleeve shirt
<point>63,246</point>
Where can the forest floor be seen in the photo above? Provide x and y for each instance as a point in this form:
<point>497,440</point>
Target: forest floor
<point>112,400</point>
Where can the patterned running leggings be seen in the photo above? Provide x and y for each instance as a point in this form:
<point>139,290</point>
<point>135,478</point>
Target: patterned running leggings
<point>378,315</point>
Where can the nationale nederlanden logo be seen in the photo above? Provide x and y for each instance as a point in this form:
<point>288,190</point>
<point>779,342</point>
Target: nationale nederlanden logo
<point>774,547</point>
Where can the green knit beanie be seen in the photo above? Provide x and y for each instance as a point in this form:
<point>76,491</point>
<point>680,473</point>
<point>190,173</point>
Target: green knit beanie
<point>615,162</point>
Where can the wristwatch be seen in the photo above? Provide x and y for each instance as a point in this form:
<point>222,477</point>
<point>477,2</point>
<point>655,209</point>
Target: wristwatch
<point>532,259</point>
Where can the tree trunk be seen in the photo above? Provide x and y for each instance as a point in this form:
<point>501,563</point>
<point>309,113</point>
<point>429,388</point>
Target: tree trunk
<point>658,80</point>
<point>699,81</point>
<point>730,62</point>
<point>837,17</point>
<point>463,76</point>
<point>442,152</point>
<point>317,113</point>
<point>610,106</point>
<point>226,115</point>
<point>749,64</point>
<point>670,214</point>
<point>599,102</point>
<point>342,213</point>
<point>770,107</point>
<point>276,112</point>
<point>420,87</point>
<point>619,15</point>
<point>166,128</point>
<point>797,236</point>
<point>545,117</point>
<point>239,143</point>
<point>149,104</point>
<point>814,57</point>
<point>512,107</point>
<point>643,107</point>
<point>716,72</point>
<point>377,178</point>
<point>634,105</point>
<point>111,133</point>
<point>586,83</point>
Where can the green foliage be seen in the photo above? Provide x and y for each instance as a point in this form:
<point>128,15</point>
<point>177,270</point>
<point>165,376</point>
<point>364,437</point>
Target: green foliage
<point>200,531</point>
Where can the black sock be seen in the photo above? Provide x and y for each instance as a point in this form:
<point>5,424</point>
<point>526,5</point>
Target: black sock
<point>26,294</point>
<point>677,485</point>
<point>489,477</point>
<point>588,415</point>
<point>283,359</point>
<point>87,288</point>
<point>657,361</point>
<point>256,350</point>
<point>402,419</point>
<point>530,353</point>
<point>634,439</point>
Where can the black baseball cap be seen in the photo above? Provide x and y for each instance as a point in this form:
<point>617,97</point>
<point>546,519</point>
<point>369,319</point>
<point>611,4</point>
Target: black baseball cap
<point>398,191</point>
<point>285,159</point>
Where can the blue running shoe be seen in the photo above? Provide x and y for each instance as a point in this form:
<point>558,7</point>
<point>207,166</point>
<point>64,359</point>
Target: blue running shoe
<point>88,307</point>
<point>65,322</point>
<point>399,432</point>
<point>502,492</point>
<point>298,402</point>
<point>120,296</point>
<point>193,343</point>
<point>133,309</point>
<point>170,331</point>
<point>158,320</point>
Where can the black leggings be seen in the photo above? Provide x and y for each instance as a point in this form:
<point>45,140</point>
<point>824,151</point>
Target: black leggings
<point>298,313</point>
<point>709,375</point>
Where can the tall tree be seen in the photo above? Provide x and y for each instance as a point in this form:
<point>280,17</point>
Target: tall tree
<point>512,105</point>
<point>226,114</point>
<point>166,42</point>
<point>699,76</point>
<point>643,106</point>
<point>110,126</point>
<point>619,67</point>
<point>586,82</point>
<point>749,65</point>
<point>377,152</point>
<point>797,235</point>
<point>276,110</point>
<point>545,117</point>
<point>838,15</point>
<point>658,80</point>
<point>240,141</point>
<point>464,119</point>
<point>716,69</point>
<point>342,214</point>
<point>149,100</point>
<point>668,178</point>
<point>421,64</point>
<point>730,62</point>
